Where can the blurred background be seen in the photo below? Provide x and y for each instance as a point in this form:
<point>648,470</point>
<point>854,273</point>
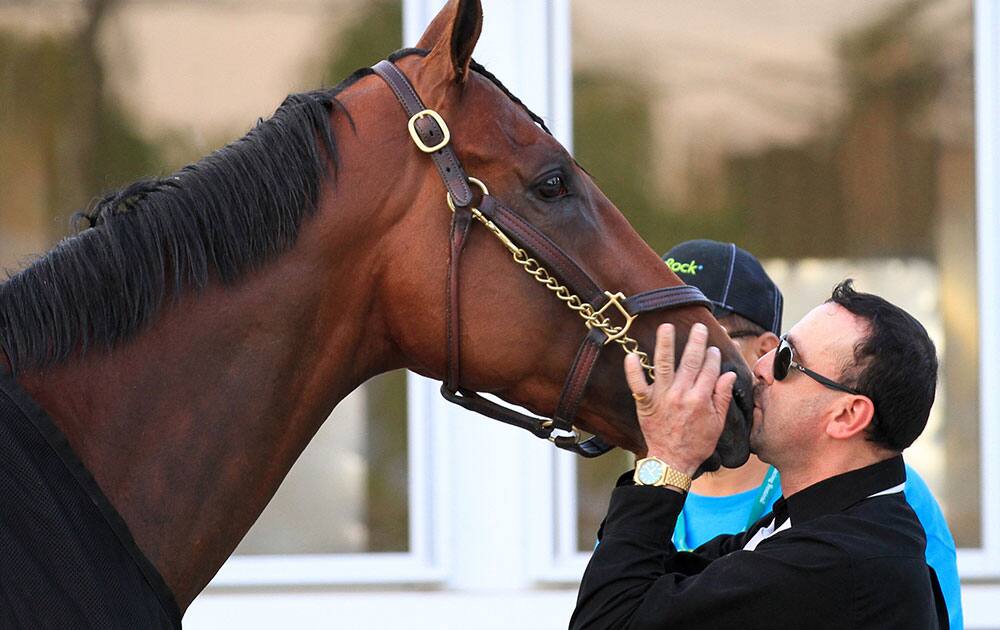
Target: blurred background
<point>831,139</point>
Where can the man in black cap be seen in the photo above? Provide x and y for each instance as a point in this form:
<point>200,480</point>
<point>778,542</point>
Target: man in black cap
<point>841,548</point>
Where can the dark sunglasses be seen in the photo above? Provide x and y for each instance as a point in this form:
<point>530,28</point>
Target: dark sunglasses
<point>784,359</point>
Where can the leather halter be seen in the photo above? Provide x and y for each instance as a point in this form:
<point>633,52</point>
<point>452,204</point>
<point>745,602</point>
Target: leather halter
<point>431,135</point>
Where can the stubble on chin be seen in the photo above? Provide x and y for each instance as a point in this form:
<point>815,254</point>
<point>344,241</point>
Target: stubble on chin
<point>758,439</point>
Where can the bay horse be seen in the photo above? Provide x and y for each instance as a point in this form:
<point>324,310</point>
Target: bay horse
<point>188,344</point>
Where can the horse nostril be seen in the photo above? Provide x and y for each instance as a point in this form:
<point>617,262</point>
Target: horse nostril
<point>742,397</point>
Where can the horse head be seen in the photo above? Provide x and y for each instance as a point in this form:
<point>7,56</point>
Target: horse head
<point>515,338</point>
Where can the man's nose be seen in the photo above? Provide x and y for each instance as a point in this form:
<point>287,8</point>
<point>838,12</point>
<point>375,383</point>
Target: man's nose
<point>764,367</point>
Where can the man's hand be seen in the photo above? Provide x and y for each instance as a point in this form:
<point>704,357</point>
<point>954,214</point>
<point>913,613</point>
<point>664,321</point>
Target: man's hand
<point>682,413</point>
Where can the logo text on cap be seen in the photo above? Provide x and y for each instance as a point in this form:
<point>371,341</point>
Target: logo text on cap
<point>689,268</point>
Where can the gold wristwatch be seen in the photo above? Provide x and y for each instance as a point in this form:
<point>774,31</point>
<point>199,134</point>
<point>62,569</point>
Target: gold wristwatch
<point>653,471</point>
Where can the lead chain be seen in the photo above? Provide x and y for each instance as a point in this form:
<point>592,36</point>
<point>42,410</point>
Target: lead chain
<point>585,310</point>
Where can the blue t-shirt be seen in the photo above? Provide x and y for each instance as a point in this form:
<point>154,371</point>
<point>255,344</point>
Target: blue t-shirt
<point>703,518</point>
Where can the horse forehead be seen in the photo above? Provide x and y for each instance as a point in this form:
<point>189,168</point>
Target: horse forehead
<point>518,133</point>
<point>494,112</point>
<point>519,144</point>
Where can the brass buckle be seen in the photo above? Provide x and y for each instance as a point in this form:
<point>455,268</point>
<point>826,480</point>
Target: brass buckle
<point>412,126</point>
<point>616,299</point>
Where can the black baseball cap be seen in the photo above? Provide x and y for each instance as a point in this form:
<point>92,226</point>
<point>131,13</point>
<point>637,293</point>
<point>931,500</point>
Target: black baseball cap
<point>731,278</point>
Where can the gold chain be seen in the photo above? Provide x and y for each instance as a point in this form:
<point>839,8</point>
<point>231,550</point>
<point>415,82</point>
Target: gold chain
<point>586,311</point>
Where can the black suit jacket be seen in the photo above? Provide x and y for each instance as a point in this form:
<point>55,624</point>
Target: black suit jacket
<point>847,560</point>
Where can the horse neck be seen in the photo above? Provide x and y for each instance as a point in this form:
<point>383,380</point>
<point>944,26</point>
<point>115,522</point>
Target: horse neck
<point>190,428</point>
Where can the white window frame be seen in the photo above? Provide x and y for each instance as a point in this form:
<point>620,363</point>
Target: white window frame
<point>498,492</point>
<point>984,562</point>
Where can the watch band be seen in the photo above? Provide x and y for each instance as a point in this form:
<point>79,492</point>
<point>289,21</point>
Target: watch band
<point>677,479</point>
<point>669,476</point>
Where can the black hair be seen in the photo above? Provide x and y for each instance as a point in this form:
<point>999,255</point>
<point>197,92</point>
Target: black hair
<point>737,323</point>
<point>895,365</point>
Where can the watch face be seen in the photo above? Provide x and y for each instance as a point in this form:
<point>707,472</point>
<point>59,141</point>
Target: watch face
<point>650,471</point>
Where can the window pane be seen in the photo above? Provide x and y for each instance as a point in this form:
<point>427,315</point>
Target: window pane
<point>832,140</point>
<point>347,493</point>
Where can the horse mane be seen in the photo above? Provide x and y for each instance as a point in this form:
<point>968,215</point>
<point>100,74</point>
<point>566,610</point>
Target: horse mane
<point>149,243</point>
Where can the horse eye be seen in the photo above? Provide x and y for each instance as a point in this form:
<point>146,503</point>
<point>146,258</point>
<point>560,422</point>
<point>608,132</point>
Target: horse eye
<point>554,187</point>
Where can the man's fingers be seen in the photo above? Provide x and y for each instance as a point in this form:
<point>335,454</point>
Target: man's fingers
<point>635,375</point>
<point>723,394</point>
<point>709,373</point>
<point>693,357</point>
<point>663,356</point>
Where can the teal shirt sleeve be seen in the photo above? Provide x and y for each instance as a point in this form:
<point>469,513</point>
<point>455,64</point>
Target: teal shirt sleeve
<point>940,544</point>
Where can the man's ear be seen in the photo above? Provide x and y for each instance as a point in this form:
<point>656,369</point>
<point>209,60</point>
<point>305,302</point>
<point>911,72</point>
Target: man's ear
<point>850,417</point>
<point>765,343</point>
<point>452,36</point>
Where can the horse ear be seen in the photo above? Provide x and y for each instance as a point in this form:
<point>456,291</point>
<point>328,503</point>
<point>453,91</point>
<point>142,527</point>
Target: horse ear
<point>453,34</point>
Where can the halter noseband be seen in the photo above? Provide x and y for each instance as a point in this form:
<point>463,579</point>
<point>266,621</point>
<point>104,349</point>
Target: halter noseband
<point>546,262</point>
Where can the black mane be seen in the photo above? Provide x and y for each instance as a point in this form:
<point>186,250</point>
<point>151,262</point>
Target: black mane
<point>151,242</point>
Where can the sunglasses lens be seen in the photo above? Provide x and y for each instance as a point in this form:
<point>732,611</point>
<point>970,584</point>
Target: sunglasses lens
<point>782,361</point>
